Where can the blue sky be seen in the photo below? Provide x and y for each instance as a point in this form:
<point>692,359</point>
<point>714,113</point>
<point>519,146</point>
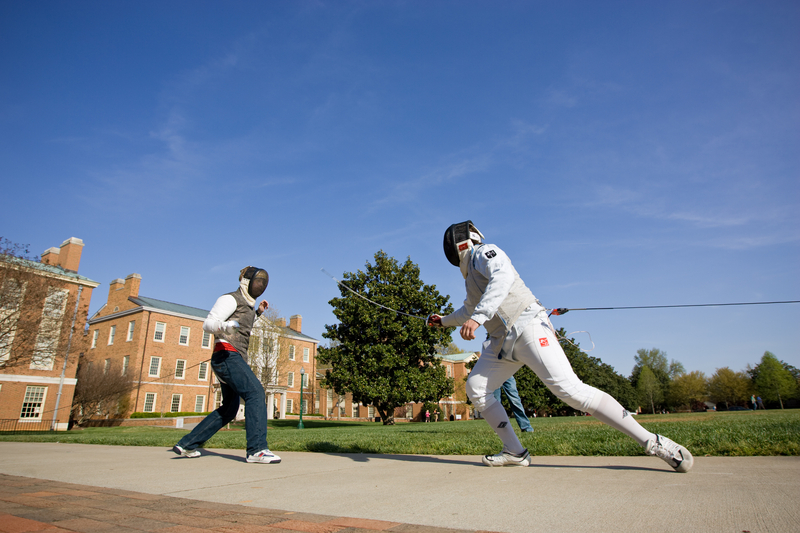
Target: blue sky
<point>621,153</point>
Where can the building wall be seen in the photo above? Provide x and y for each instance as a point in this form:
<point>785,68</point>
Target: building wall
<point>15,381</point>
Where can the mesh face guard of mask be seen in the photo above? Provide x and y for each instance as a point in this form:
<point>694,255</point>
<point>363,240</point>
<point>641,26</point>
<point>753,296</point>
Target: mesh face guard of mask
<point>259,279</point>
<point>457,238</point>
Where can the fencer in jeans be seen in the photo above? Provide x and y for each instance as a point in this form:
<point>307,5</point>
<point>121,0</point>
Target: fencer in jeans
<point>231,321</point>
<point>236,381</point>
<point>510,388</point>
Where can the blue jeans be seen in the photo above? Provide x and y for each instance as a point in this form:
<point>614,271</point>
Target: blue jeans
<point>510,388</point>
<point>236,381</point>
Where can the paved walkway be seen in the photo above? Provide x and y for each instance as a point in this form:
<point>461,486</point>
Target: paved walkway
<point>105,488</point>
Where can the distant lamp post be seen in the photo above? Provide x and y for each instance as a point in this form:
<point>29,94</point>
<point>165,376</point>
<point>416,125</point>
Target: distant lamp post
<point>302,375</point>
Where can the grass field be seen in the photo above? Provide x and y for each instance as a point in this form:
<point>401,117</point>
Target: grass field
<point>726,434</point>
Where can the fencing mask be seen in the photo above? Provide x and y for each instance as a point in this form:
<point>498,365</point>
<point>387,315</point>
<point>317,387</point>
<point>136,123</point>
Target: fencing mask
<point>458,239</point>
<point>259,279</point>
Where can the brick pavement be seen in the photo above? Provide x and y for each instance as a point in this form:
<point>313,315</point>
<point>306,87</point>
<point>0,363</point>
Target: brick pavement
<point>32,505</point>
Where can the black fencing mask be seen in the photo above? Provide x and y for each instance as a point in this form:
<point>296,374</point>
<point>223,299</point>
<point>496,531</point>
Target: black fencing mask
<point>457,239</point>
<point>259,279</point>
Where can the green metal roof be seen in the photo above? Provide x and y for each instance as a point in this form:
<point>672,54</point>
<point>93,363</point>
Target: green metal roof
<point>169,306</point>
<point>457,357</point>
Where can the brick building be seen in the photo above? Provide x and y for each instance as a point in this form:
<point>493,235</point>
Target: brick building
<point>43,309</point>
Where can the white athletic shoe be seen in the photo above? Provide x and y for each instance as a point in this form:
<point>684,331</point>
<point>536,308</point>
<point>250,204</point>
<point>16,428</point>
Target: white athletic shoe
<point>185,453</point>
<point>505,458</point>
<point>673,453</point>
<point>264,456</point>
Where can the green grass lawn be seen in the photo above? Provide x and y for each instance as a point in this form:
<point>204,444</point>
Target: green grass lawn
<point>728,434</point>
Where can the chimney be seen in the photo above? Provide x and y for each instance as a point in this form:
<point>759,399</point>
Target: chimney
<point>50,256</point>
<point>69,257</point>
<point>296,323</point>
<point>281,322</point>
<point>116,285</point>
<point>132,282</point>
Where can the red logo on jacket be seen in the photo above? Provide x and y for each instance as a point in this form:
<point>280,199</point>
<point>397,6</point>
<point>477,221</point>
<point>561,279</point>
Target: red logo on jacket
<point>543,342</point>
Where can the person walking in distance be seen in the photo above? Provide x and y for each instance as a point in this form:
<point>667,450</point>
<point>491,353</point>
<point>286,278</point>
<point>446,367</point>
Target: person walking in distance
<point>230,321</point>
<point>520,333</point>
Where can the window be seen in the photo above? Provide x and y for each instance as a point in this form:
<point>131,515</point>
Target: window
<point>305,355</point>
<point>371,411</point>
<point>131,325</point>
<point>199,403</point>
<point>217,399</point>
<point>106,366</point>
<point>291,352</point>
<point>303,405</point>
<point>290,380</point>
<point>111,333</point>
<point>175,407</point>
<point>44,351</point>
<point>161,330</point>
<point>355,410</point>
<point>95,334</point>
<point>202,374</point>
<point>155,366</point>
<point>183,340</point>
<point>290,406</point>
<point>32,403</point>
<point>125,362</point>
<point>206,340</point>
<point>149,402</point>
<point>304,380</point>
<point>180,368</point>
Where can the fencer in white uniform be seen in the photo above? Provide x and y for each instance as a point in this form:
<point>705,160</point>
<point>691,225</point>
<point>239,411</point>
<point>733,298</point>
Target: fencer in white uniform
<point>520,333</point>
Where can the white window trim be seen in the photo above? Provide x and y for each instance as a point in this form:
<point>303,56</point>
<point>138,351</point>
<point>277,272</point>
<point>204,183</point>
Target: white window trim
<point>290,380</point>
<point>126,362</point>
<point>131,327</point>
<point>201,402</point>
<point>172,403</point>
<point>95,334</point>
<point>163,332</point>
<point>150,368</point>
<point>183,371</point>
<point>112,332</point>
<point>202,366</point>
<point>188,333</point>
<point>40,410</point>
<point>207,340</point>
<point>291,352</point>
<point>153,406</point>
<point>306,355</point>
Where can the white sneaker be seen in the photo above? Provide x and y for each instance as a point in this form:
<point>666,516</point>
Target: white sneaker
<point>264,456</point>
<point>673,453</point>
<point>185,453</point>
<point>505,458</point>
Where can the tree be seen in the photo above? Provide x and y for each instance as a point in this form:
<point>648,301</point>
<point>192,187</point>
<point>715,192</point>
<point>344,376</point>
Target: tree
<point>772,380</point>
<point>689,390</point>
<point>729,387</point>
<point>100,391</point>
<point>663,369</point>
<point>268,351</point>
<point>383,358</point>
<point>649,388</point>
<point>34,306</point>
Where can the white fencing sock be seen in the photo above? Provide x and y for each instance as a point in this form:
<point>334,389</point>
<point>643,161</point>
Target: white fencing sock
<point>609,411</point>
<point>497,418</point>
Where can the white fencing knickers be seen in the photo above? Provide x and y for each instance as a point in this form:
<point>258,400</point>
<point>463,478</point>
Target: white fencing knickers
<point>537,348</point>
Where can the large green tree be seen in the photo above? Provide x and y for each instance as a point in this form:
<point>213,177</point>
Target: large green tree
<point>773,380</point>
<point>729,387</point>
<point>383,358</point>
<point>663,369</point>
<point>649,388</point>
<point>689,390</point>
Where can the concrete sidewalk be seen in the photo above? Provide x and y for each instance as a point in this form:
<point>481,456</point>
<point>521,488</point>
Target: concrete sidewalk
<point>554,494</point>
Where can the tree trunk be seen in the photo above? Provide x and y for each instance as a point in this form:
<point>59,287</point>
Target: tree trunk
<point>386,418</point>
